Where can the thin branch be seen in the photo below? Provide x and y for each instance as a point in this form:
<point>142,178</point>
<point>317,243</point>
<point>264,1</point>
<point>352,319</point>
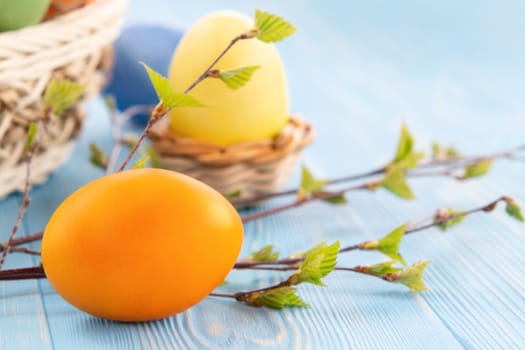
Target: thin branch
<point>303,201</point>
<point>22,240</point>
<point>450,171</point>
<point>22,273</point>
<point>262,197</point>
<point>117,120</point>
<point>454,164</point>
<point>160,110</point>
<point>241,296</point>
<point>26,200</point>
<point>419,226</point>
<point>24,250</point>
<point>206,73</point>
<point>436,222</point>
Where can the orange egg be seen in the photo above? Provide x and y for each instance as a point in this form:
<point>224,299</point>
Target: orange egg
<point>140,245</point>
<point>59,7</point>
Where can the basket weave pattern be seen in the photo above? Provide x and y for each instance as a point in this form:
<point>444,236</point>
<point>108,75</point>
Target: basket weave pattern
<point>75,47</point>
<point>253,168</point>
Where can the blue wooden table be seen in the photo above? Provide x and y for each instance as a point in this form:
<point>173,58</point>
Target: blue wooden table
<point>453,72</point>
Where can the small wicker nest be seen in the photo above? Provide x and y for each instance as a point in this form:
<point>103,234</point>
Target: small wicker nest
<point>76,47</point>
<point>253,168</point>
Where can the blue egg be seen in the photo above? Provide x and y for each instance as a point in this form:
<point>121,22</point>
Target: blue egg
<point>152,44</point>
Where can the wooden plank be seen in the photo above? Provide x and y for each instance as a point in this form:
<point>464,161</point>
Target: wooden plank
<point>22,320</point>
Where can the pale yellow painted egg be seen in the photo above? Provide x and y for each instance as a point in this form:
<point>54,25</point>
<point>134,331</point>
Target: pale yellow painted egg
<point>256,111</point>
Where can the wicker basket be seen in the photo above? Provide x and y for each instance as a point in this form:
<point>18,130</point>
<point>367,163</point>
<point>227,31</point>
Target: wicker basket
<point>75,46</point>
<point>253,168</point>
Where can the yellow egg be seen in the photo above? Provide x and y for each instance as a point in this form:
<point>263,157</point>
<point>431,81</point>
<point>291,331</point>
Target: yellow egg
<point>256,111</point>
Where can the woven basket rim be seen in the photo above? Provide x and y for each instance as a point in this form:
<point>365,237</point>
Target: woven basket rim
<point>296,135</point>
<point>70,18</point>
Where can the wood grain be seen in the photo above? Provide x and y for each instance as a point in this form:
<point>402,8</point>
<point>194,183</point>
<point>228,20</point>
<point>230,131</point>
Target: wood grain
<point>356,71</point>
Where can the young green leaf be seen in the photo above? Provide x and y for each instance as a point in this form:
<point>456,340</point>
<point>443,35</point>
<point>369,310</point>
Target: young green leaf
<point>381,268</point>
<point>396,183</point>
<point>275,298</point>
<point>309,184</point>
<point>61,94</point>
<point>140,163</point>
<point>389,244</point>
<point>271,27</point>
<point>267,253</point>
<point>410,161</point>
<point>336,199</point>
<point>153,157</point>
<point>110,102</point>
<point>165,93</point>
<point>446,218</point>
<point>412,276</point>
<point>405,144</point>
<point>477,169</point>
<point>98,157</point>
<point>513,209</point>
<point>236,78</point>
<point>318,263</point>
<point>440,152</point>
<point>31,135</point>
<point>233,194</point>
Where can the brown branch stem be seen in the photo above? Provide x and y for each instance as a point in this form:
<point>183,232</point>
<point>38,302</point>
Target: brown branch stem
<point>291,262</point>
<point>117,120</point>
<point>241,296</point>
<point>303,201</point>
<point>22,240</point>
<point>160,110</point>
<point>450,165</point>
<point>261,197</point>
<point>206,73</point>
<point>26,200</point>
<point>22,273</point>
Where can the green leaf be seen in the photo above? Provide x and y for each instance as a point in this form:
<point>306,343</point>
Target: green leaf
<point>236,78</point>
<point>389,244</point>
<point>224,283</point>
<point>318,263</point>
<point>98,157</point>
<point>412,276</point>
<point>165,93</point>
<point>396,183</point>
<point>410,161</point>
<point>309,184</point>
<point>477,169</point>
<point>275,298</point>
<point>234,194</point>
<point>271,27</point>
<point>140,163</point>
<point>381,268</point>
<point>513,209</point>
<point>337,199</point>
<point>31,135</point>
<point>266,253</point>
<point>153,157</point>
<point>405,144</point>
<point>61,94</point>
<point>110,102</point>
<point>440,152</point>
<point>446,218</point>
